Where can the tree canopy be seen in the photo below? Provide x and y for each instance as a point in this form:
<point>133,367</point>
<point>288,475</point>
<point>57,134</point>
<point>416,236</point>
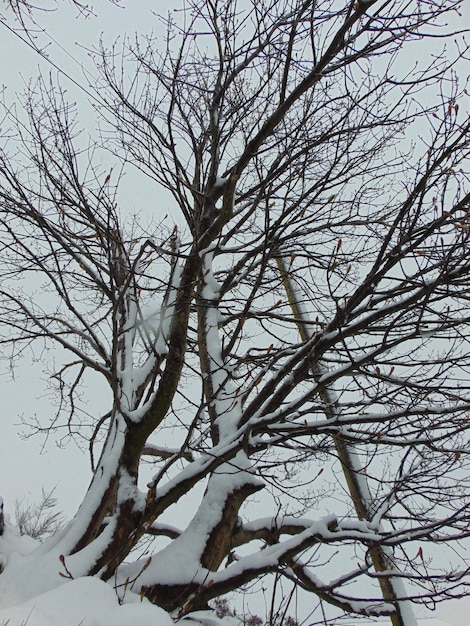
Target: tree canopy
<point>289,342</point>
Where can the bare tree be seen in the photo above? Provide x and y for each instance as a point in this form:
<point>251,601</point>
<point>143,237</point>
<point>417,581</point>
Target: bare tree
<point>298,330</point>
<point>22,8</point>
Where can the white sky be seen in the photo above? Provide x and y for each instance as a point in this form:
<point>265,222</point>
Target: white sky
<point>27,466</point>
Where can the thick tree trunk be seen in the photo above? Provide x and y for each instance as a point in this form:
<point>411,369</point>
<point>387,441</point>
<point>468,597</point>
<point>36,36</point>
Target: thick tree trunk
<point>215,521</point>
<point>110,492</point>
<point>220,543</point>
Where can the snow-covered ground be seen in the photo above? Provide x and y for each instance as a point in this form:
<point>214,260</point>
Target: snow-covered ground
<point>88,601</point>
<point>84,601</point>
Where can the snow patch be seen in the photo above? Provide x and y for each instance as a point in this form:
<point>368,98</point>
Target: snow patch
<point>85,602</point>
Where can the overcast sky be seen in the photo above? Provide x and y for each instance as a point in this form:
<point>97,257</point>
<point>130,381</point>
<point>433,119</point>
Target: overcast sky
<point>28,466</point>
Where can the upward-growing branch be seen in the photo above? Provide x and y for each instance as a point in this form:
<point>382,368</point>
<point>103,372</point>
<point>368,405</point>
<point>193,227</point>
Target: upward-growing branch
<point>339,42</point>
<point>358,489</point>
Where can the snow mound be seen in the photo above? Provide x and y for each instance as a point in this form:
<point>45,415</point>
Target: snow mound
<point>83,602</point>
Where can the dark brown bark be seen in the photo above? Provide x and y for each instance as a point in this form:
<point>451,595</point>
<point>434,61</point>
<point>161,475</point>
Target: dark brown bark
<point>220,542</point>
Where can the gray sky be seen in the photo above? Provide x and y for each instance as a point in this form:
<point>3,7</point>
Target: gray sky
<point>27,466</point>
